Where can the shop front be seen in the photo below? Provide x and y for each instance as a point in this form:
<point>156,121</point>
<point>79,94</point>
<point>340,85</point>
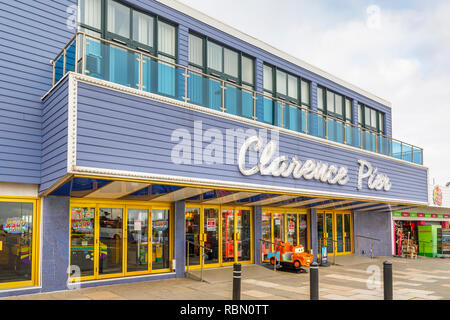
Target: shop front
<point>426,234</point>
<point>110,239</point>
<point>19,242</point>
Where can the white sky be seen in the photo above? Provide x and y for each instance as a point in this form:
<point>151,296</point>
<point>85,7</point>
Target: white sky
<point>398,50</point>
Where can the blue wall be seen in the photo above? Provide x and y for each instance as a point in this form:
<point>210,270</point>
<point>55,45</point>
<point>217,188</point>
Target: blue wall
<point>374,225</point>
<point>125,132</point>
<point>55,243</point>
<point>54,135</point>
<point>31,34</point>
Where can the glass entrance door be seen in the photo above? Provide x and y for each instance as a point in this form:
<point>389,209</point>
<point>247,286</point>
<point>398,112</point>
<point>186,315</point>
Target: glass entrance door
<point>110,239</point>
<point>217,235</point>
<point>193,231</point>
<point>228,245</point>
<point>243,241</point>
<point>328,238</point>
<point>137,240</point>
<point>211,235</point>
<point>335,231</point>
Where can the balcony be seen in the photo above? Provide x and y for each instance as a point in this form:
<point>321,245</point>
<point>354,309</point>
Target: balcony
<point>116,63</point>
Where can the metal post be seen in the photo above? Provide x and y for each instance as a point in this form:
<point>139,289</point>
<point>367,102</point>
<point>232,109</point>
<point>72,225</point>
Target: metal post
<point>371,249</point>
<point>223,97</point>
<point>237,276</point>
<point>281,115</point>
<point>387,280</point>
<point>306,121</point>
<point>186,76</point>
<point>314,281</point>
<point>83,54</point>
<point>255,98</point>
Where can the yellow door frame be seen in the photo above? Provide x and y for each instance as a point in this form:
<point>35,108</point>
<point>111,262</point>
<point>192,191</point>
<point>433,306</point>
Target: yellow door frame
<point>334,214</point>
<point>97,204</point>
<point>35,242</point>
<point>285,212</point>
<point>220,209</point>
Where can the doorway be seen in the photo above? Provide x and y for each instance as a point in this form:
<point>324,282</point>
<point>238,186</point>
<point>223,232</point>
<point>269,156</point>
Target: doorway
<point>335,232</point>
<point>218,236</point>
<point>111,240</point>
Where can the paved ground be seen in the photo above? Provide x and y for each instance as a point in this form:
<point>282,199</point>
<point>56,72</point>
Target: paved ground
<point>354,278</point>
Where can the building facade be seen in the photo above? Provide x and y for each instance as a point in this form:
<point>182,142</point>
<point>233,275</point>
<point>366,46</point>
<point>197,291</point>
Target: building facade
<point>143,137</point>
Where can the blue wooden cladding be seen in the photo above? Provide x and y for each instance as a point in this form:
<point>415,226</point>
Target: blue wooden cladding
<point>122,132</point>
<point>34,33</point>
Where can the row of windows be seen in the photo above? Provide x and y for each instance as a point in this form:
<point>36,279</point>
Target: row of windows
<point>283,85</point>
<point>209,57</point>
<point>114,21</point>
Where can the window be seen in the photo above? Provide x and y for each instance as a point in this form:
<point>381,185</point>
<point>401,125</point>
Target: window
<point>17,239</point>
<point>231,63</point>
<point>286,86</point>
<point>305,87</point>
<point>320,100</point>
<point>118,19</point>
<point>215,57</point>
<point>268,79</point>
<point>370,118</point>
<point>90,13</point>
<point>248,71</point>
<point>166,39</point>
<point>195,51</point>
<point>143,28</point>
<point>281,82</point>
<point>334,104</point>
<point>348,111</point>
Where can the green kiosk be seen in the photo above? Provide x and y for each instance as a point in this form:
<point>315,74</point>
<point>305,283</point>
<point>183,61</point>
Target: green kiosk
<point>429,240</point>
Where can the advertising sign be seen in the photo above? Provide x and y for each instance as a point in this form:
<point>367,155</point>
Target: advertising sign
<point>291,226</point>
<point>15,225</point>
<point>211,224</point>
<point>82,226</point>
<point>324,254</point>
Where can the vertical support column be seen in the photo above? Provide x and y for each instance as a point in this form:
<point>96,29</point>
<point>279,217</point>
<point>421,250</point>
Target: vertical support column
<point>313,232</point>
<point>179,239</point>
<point>257,233</point>
<point>55,243</point>
<point>182,59</point>
<point>259,87</point>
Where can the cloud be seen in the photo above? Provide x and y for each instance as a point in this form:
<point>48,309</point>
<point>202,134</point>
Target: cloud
<point>400,52</point>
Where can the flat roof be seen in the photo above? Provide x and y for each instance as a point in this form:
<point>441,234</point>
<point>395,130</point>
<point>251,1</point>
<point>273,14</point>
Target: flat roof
<point>200,16</point>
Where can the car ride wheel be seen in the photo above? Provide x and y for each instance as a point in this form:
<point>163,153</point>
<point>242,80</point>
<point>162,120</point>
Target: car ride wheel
<point>272,261</point>
<point>297,264</point>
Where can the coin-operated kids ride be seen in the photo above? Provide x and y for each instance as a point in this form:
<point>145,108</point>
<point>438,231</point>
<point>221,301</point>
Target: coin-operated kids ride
<point>291,257</point>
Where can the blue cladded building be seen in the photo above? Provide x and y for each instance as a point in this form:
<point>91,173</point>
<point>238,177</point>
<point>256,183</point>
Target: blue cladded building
<point>140,137</point>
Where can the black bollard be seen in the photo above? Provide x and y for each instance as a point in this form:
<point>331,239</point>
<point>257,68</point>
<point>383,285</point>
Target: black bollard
<point>314,281</point>
<point>387,280</point>
<point>237,276</point>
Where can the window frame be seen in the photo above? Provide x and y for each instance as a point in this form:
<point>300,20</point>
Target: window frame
<point>380,124</point>
<point>130,42</point>
<point>222,75</point>
<point>344,117</point>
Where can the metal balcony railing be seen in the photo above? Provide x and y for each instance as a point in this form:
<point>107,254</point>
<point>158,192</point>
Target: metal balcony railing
<point>117,63</point>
